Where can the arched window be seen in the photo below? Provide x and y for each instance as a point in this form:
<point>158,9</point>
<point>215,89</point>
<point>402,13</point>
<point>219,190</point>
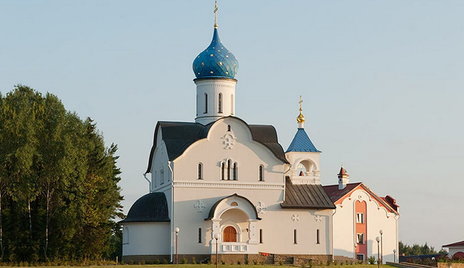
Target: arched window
<point>261,173</point>
<point>229,166</point>
<point>200,171</point>
<point>228,127</point>
<point>220,103</point>
<point>206,103</point>
<point>318,241</point>
<point>223,170</point>
<point>235,172</point>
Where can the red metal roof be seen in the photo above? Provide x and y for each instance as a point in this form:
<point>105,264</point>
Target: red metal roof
<point>461,243</point>
<point>337,195</point>
<point>334,193</point>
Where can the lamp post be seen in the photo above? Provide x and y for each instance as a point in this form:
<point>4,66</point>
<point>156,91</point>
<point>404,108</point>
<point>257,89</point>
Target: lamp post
<point>394,255</point>
<point>216,237</point>
<point>177,230</point>
<point>378,251</point>
<point>381,246</point>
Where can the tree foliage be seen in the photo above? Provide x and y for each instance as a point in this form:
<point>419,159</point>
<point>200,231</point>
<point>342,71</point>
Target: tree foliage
<point>416,249</point>
<point>58,182</point>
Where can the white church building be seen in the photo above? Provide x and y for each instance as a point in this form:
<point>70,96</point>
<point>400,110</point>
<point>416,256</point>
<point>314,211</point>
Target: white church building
<point>219,183</point>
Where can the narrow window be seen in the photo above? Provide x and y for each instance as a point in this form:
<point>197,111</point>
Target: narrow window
<point>220,103</point>
<point>360,238</point>
<point>228,127</point>
<point>162,176</point>
<point>294,237</point>
<point>317,237</point>
<point>359,218</point>
<point>199,235</point>
<point>261,173</point>
<point>232,104</point>
<point>260,236</point>
<point>200,171</point>
<point>229,164</point>
<point>235,171</point>
<point>223,170</point>
<point>206,103</point>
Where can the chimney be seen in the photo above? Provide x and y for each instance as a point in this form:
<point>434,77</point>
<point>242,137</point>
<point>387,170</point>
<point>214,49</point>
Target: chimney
<point>343,179</point>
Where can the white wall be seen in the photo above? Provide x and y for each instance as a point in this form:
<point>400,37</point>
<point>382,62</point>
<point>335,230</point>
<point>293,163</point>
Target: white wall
<point>214,87</point>
<point>150,238</point>
<point>194,198</point>
<point>378,218</point>
<point>454,250</point>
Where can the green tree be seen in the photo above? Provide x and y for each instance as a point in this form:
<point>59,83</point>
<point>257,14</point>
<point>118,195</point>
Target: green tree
<point>58,182</point>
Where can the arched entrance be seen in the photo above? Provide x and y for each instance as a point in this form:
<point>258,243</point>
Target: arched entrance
<point>458,256</point>
<point>230,234</point>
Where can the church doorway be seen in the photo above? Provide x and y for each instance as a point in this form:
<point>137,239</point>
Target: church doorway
<point>230,234</point>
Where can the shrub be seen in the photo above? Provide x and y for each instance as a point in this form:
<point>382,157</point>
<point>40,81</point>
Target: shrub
<point>371,260</point>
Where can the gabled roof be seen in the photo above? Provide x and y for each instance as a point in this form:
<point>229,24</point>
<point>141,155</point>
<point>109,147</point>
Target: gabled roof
<point>178,136</point>
<point>301,143</point>
<point>151,207</point>
<point>337,196</point>
<point>306,196</point>
<point>457,244</point>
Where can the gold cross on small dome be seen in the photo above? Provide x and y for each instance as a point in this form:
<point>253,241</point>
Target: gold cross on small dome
<point>300,118</point>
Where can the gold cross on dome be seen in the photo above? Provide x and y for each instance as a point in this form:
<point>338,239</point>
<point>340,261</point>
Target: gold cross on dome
<point>301,104</point>
<point>215,13</point>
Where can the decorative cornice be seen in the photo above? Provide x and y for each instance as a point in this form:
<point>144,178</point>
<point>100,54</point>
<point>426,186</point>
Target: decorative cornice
<point>229,185</point>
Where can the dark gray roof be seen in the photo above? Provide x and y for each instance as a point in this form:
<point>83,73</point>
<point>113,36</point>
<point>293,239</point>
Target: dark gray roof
<point>306,196</point>
<point>178,136</point>
<point>213,208</point>
<point>151,207</point>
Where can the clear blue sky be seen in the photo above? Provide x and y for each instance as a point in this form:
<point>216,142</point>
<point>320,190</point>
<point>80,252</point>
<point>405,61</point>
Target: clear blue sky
<point>382,83</point>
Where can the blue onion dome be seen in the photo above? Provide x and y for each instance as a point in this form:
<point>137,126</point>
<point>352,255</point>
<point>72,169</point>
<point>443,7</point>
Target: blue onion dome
<point>215,61</point>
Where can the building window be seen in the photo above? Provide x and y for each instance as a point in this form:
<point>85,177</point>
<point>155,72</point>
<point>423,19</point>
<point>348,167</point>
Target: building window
<point>223,170</point>
<point>200,171</point>
<point>162,176</point>
<point>206,103</point>
<point>229,163</point>
<point>220,103</point>
<point>318,241</point>
<point>360,238</point>
<point>228,127</point>
<point>261,173</point>
<point>199,235</point>
<point>294,237</point>
<point>360,257</point>
<point>235,171</point>
<point>359,218</point>
<point>260,236</point>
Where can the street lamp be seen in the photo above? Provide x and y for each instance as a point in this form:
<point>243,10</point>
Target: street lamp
<point>394,255</point>
<point>378,251</point>
<point>216,237</point>
<point>381,246</point>
<point>177,230</point>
